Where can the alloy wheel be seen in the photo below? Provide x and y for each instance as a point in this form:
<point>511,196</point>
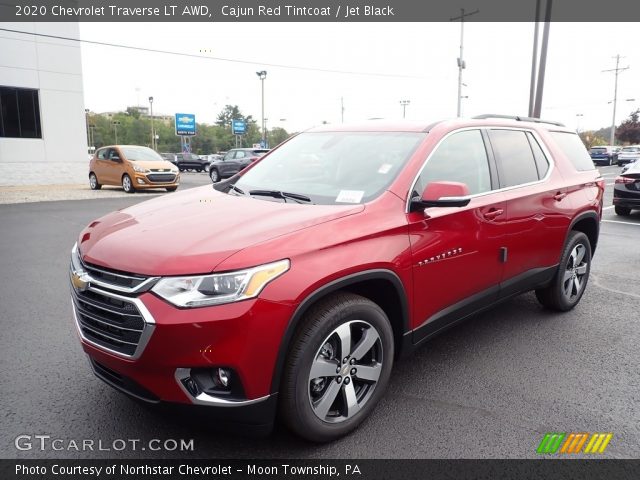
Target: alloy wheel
<point>574,279</point>
<point>345,371</point>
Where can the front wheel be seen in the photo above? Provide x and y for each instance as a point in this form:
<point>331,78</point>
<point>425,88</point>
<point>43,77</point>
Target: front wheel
<point>171,189</point>
<point>570,281</point>
<point>127,184</point>
<point>338,367</point>
<point>214,174</point>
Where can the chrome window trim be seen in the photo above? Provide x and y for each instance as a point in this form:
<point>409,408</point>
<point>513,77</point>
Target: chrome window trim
<point>205,399</point>
<point>533,132</point>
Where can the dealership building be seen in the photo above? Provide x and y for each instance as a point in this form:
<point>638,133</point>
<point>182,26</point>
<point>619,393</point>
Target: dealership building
<point>43,136</point>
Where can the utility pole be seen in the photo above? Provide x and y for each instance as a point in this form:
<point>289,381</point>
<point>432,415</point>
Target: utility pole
<point>153,132</point>
<point>616,70</point>
<point>461,64</point>
<point>404,104</point>
<point>262,75</point>
<point>534,60</point>
<point>537,108</point>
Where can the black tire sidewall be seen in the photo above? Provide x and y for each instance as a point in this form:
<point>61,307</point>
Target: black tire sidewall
<point>304,421</point>
<point>575,239</point>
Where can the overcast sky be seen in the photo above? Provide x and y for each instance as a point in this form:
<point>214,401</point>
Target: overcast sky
<point>419,60</point>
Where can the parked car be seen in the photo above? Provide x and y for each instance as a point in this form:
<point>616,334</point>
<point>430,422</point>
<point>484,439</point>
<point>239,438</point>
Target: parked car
<point>234,161</point>
<point>133,167</point>
<point>628,155</point>
<point>190,161</point>
<point>629,165</point>
<point>294,288</point>
<point>626,190</point>
<point>604,155</point>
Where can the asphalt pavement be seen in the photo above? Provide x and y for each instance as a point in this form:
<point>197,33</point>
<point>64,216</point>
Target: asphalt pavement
<point>488,388</point>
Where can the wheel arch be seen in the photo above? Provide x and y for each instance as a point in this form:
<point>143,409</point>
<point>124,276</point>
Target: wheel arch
<point>381,286</point>
<point>588,224</point>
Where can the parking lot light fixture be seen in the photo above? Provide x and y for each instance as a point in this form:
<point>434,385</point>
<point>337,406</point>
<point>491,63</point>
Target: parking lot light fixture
<point>153,133</point>
<point>404,104</point>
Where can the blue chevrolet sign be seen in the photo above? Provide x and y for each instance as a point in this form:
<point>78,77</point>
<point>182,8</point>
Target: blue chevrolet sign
<point>185,124</point>
<point>238,127</point>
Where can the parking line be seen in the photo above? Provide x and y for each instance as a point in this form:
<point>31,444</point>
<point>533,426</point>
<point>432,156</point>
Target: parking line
<point>609,207</point>
<point>625,223</point>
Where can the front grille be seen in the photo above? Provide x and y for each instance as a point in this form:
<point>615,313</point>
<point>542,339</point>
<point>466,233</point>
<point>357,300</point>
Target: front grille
<point>113,277</point>
<point>112,323</point>
<point>161,177</point>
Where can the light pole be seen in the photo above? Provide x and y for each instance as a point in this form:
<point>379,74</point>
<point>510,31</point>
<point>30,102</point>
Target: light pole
<point>404,104</point>
<point>461,63</point>
<point>578,115</point>
<point>86,119</point>
<point>153,133</point>
<point>115,124</point>
<point>262,74</point>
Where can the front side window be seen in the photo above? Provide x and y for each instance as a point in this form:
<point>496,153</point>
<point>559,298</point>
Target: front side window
<point>102,153</point>
<point>516,164</point>
<point>19,113</point>
<point>461,157</point>
<point>332,167</point>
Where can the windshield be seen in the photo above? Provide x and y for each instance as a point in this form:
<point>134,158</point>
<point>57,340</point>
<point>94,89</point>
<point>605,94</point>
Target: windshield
<point>140,154</point>
<point>630,149</point>
<point>598,150</point>
<point>333,167</point>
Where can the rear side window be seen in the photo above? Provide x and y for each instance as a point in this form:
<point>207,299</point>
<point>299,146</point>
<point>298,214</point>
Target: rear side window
<point>461,157</point>
<point>574,149</point>
<point>516,164</point>
<point>541,160</point>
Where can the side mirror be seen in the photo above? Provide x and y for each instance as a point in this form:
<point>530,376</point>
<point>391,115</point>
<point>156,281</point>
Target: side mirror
<point>442,194</point>
<point>115,158</point>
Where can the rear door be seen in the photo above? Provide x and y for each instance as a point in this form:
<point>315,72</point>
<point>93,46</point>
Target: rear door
<point>538,212</point>
<point>100,167</point>
<point>456,250</point>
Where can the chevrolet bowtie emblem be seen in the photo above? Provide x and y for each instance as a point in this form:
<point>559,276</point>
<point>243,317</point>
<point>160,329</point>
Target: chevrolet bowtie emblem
<point>80,281</point>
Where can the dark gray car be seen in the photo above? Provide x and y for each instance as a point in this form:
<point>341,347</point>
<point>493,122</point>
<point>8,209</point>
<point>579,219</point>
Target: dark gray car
<point>190,161</point>
<point>234,161</point>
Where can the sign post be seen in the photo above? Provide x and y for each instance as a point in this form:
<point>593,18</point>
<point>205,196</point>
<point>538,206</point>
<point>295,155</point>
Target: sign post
<point>185,129</point>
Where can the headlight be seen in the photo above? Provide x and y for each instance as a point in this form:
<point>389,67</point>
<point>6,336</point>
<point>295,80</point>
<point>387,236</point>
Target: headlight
<point>174,170</point>
<point>140,169</point>
<point>219,288</point>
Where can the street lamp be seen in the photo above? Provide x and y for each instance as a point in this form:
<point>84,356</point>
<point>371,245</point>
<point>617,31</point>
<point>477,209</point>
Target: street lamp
<point>262,74</point>
<point>404,104</point>
<point>86,118</point>
<point>153,133</point>
<point>578,115</point>
<point>115,124</point>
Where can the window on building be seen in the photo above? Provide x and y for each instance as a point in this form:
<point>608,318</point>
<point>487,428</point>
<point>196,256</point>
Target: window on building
<point>19,113</point>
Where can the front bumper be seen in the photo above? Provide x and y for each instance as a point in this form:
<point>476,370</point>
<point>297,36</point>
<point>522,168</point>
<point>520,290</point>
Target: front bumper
<point>144,180</point>
<point>244,337</point>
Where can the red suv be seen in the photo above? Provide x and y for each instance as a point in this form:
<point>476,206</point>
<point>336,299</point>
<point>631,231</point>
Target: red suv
<point>293,286</point>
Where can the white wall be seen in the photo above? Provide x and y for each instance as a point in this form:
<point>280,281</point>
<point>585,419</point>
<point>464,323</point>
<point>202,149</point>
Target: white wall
<point>54,68</point>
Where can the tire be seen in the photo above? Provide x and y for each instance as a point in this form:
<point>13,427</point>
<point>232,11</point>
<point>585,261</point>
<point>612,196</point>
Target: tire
<point>198,170</point>
<point>93,182</point>
<point>214,174</point>
<point>622,211</point>
<point>316,408</point>
<point>570,281</point>
<point>171,189</point>
<point>127,184</point>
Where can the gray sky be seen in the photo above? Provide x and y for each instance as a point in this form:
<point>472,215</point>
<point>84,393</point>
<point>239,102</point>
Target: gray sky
<point>422,55</point>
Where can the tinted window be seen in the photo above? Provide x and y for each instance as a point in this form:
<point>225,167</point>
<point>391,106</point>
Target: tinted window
<point>541,161</point>
<point>514,157</point>
<point>19,113</point>
<point>461,157</point>
<point>574,149</point>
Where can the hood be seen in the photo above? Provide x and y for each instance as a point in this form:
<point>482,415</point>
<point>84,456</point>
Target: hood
<point>155,164</point>
<point>193,231</point>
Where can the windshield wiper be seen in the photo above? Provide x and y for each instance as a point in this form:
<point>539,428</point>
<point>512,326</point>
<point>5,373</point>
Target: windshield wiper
<point>279,194</point>
<point>233,187</point>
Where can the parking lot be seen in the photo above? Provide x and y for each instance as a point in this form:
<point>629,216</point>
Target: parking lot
<point>488,388</point>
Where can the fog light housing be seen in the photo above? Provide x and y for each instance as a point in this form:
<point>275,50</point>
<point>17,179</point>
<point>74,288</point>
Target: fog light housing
<point>141,181</point>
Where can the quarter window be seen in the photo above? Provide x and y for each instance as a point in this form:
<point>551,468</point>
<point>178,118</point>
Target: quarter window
<point>19,113</point>
<point>574,149</point>
<point>516,164</point>
<point>461,157</point>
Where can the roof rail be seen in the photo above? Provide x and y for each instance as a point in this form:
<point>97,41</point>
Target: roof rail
<point>518,118</point>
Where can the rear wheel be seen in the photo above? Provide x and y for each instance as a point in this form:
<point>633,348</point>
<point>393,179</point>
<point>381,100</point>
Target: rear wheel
<point>338,367</point>
<point>622,211</point>
<point>570,281</point>
<point>93,182</point>
<point>127,184</point>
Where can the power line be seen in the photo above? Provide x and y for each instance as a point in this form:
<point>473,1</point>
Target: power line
<point>220,59</point>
